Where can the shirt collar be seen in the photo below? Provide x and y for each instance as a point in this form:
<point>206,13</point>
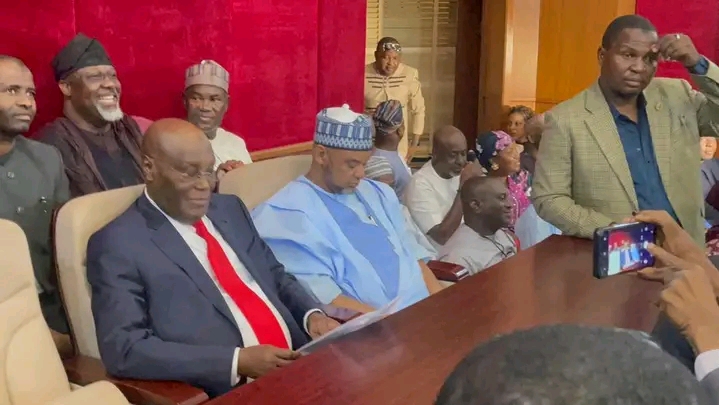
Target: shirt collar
<point>173,221</point>
<point>641,104</point>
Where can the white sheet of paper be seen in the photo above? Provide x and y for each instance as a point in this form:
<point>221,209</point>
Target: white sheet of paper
<point>351,326</point>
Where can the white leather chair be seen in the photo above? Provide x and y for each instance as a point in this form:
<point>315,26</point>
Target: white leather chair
<point>75,223</point>
<point>31,372</point>
<point>256,182</point>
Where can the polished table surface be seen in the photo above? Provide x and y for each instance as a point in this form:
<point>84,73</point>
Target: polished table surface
<point>405,358</point>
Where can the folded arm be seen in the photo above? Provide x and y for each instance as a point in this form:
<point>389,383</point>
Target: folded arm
<point>552,186</point>
<point>127,342</point>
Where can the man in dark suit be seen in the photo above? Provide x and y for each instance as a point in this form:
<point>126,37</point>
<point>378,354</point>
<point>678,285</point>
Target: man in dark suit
<point>183,287</point>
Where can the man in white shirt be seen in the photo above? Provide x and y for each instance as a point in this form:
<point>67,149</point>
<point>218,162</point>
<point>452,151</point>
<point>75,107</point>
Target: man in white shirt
<point>206,100</point>
<point>483,240</point>
<point>183,287</point>
<point>431,195</point>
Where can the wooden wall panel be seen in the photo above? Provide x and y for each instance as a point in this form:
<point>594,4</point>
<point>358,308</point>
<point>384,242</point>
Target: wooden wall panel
<point>492,64</point>
<point>521,53</point>
<point>570,33</point>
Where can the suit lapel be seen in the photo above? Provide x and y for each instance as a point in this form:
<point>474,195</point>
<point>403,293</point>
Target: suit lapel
<point>231,236</point>
<point>604,130</point>
<point>169,241</point>
<point>660,124</point>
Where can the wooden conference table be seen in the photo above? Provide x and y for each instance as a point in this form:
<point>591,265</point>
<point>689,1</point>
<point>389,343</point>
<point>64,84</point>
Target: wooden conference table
<point>405,358</point>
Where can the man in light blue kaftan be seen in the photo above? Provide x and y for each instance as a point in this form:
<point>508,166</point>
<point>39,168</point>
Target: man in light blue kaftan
<point>343,236</point>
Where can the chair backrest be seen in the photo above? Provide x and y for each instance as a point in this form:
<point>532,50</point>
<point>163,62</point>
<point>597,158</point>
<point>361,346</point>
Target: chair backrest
<point>75,223</point>
<point>30,368</point>
<point>256,182</point>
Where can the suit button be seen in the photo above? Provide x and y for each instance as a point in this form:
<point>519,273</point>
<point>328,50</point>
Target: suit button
<point>10,175</point>
<point>20,210</point>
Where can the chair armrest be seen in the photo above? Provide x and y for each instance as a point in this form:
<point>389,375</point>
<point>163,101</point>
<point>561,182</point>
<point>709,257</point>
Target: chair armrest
<point>340,315</point>
<point>83,370</point>
<point>446,271</point>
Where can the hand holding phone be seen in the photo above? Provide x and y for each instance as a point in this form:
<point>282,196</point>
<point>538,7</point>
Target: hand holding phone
<point>623,248</point>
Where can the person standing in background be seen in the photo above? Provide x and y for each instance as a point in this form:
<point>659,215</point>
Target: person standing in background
<point>387,78</point>
<point>206,100</point>
<point>629,142</point>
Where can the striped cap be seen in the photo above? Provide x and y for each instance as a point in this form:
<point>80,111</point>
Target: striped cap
<point>207,72</point>
<point>376,167</point>
<point>342,128</point>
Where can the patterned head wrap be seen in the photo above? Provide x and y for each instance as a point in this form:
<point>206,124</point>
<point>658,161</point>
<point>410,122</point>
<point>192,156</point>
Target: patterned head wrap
<point>389,44</point>
<point>388,116</point>
<point>489,144</point>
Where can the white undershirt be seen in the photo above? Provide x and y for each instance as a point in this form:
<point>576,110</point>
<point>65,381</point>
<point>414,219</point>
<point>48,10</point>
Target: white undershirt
<point>228,146</point>
<point>429,197</point>
<point>199,249</point>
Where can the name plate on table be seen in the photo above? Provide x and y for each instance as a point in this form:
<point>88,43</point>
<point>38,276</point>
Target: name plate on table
<point>446,271</point>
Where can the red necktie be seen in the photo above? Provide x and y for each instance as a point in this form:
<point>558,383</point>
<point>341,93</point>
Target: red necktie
<point>256,311</point>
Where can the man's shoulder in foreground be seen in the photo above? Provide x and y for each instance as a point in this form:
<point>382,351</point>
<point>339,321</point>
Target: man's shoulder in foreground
<point>46,154</point>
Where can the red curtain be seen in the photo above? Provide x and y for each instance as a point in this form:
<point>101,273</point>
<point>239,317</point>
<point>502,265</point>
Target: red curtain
<point>697,18</point>
<point>287,59</point>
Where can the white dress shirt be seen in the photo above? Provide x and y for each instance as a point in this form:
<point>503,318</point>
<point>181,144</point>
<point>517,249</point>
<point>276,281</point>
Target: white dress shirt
<point>705,363</point>
<point>199,249</point>
<point>429,197</point>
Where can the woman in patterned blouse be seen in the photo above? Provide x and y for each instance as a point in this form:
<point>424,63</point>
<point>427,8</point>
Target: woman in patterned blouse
<point>499,154</point>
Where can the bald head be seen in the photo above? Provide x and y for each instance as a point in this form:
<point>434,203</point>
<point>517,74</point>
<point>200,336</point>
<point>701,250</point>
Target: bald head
<point>170,136</point>
<point>449,151</point>
<point>477,187</point>
<point>445,135</point>
<point>179,168</point>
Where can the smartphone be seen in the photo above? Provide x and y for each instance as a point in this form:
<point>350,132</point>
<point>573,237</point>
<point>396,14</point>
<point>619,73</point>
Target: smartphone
<point>623,248</point>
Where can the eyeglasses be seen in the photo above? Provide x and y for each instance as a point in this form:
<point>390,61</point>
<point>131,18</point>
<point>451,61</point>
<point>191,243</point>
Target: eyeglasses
<point>194,177</point>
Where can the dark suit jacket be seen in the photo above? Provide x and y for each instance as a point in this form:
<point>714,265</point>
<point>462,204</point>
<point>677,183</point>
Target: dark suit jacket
<point>157,312</point>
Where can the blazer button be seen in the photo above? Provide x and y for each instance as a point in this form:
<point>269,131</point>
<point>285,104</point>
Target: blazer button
<point>10,175</point>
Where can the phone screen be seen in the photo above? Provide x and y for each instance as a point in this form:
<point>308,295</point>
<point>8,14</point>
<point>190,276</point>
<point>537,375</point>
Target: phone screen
<point>623,248</point>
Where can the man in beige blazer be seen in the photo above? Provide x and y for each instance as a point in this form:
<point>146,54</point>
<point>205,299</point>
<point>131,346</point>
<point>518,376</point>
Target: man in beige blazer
<point>629,142</point>
<point>387,78</point>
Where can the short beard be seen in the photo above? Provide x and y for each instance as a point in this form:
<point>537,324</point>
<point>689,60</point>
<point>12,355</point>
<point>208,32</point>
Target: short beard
<point>113,115</point>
